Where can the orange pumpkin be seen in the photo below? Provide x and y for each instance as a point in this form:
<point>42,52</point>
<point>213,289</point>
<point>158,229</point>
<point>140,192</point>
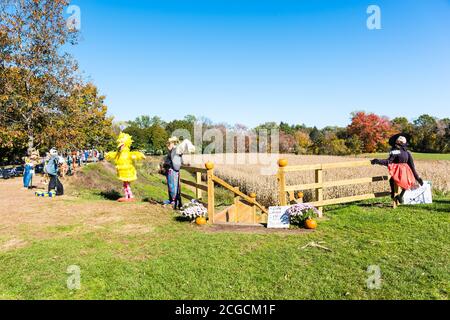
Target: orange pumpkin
<point>310,224</point>
<point>200,221</point>
<point>282,163</point>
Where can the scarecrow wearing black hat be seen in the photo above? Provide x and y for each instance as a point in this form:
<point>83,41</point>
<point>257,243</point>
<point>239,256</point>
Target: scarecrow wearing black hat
<point>401,167</point>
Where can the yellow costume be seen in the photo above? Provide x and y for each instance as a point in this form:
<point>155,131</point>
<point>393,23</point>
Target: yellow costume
<point>123,159</point>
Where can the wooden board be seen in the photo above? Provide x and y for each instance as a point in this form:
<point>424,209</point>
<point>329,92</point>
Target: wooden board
<point>195,185</point>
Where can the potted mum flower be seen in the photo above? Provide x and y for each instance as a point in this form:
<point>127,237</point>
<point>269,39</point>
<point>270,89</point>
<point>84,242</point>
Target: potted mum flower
<point>194,210</point>
<point>302,214</point>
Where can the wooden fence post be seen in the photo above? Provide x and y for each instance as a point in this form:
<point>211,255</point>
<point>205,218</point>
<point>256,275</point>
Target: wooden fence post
<point>210,182</point>
<point>282,163</point>
<point>253,196</point>
<point>319,190</point>
<point>236,206</point>
<point>198,180</point>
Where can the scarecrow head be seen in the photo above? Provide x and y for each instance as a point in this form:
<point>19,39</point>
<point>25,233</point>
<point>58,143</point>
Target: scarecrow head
<point>53,152</point>
<point>124,141</point>
<point>172,143</point>
<point>34,154</point>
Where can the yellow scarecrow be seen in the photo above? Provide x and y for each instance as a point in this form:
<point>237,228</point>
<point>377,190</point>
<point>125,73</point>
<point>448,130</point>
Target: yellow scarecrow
<point>123,160</point>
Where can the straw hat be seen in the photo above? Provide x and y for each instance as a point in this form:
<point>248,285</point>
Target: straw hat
<point>173,140</point>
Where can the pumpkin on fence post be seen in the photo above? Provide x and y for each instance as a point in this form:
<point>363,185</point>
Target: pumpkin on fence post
<point>282,163</point>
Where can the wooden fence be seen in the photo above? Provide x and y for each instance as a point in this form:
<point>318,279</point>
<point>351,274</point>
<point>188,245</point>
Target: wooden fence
<point>245,207</point>
<point>319,185</point>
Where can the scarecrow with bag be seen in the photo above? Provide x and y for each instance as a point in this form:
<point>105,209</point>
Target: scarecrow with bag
<point>401,167</point>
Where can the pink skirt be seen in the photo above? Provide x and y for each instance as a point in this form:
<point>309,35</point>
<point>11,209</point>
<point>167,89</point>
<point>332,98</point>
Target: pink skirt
<point>402,175</point>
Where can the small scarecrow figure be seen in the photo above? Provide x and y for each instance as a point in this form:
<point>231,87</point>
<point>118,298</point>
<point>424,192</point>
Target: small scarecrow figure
<point>30,163</point>
<point>123,160</point>
<point>400,166</point>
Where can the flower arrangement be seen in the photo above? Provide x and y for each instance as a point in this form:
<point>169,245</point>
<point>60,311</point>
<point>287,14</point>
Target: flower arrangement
<point>193,210</point>
<point>301,212</point>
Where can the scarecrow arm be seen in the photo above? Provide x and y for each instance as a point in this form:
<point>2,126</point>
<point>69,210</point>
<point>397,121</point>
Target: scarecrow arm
<point>386,162</point>
<point>136,155</point>
<point>110,155</point>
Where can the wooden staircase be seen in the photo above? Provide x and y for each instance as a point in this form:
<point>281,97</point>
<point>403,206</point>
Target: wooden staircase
<point>244,211</point>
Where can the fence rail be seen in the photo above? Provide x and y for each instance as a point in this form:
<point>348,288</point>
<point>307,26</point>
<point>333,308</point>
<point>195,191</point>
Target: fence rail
<point>244,207</point>
<point>319,184</point>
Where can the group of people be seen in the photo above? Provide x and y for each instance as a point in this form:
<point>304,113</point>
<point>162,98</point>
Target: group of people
<point>52,164</point>
<point>55,165</point>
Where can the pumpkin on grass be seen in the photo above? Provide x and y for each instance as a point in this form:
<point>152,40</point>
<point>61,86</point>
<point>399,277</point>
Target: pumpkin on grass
<point>200,221</point>
<point>310,224</point>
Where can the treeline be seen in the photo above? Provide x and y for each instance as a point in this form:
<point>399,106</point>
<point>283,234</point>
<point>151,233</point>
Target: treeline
<point>44,102</point>
<point>366,133</point>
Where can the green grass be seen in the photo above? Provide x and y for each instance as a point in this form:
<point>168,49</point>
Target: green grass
<point>417,156</point>
<point>181,261</point>
<point>178,260</point>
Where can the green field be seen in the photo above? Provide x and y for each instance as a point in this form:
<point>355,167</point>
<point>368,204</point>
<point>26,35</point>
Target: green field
<point>165,258</point>
<point>417,156</point>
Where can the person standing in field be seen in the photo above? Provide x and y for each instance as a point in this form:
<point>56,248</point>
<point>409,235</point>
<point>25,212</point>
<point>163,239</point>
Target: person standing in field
<point>401,168</point>
<point>52,169</point>
<point>171,167</point>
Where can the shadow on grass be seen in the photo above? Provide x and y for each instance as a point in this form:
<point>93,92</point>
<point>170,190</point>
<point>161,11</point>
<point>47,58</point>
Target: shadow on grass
<point>111,195</point>
<point>375,204</point>
<point>152,201</point>
<point>442,201</point>
<point>182,219</point>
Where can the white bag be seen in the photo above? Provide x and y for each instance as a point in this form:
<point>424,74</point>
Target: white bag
<point>420,195</point>
<point>185,147</point>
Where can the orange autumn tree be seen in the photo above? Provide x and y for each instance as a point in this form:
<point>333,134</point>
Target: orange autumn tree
<point>373,131</point>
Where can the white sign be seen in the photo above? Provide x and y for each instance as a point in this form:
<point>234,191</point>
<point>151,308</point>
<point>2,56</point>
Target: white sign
<point>278,218</point>
<point>419,195</point>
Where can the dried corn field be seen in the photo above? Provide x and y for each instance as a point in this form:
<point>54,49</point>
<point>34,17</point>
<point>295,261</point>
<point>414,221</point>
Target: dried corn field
<point>255,173</point>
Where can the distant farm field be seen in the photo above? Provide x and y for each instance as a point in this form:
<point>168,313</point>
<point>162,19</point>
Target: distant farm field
<point>251,174</point>
<point>417,156</point>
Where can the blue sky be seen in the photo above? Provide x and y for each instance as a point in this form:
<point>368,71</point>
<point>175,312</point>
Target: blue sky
<point>248,61</point>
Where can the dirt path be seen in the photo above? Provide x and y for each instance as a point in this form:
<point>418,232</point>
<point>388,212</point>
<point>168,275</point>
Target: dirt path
<point>25,217</point>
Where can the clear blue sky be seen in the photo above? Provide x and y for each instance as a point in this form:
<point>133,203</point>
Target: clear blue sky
<point>252,61</point>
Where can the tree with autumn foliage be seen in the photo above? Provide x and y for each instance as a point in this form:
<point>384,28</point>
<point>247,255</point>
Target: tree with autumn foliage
<point>36,73</point>
<point>372,130</point>
<point>83,122</point>
<point>43,100</point>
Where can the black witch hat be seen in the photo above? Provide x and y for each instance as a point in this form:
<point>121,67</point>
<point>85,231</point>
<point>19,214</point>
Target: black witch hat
<point>393,139</point>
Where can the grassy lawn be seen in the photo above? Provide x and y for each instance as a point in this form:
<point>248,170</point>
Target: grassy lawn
<point>417,156</point>
<point>164,258</point>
